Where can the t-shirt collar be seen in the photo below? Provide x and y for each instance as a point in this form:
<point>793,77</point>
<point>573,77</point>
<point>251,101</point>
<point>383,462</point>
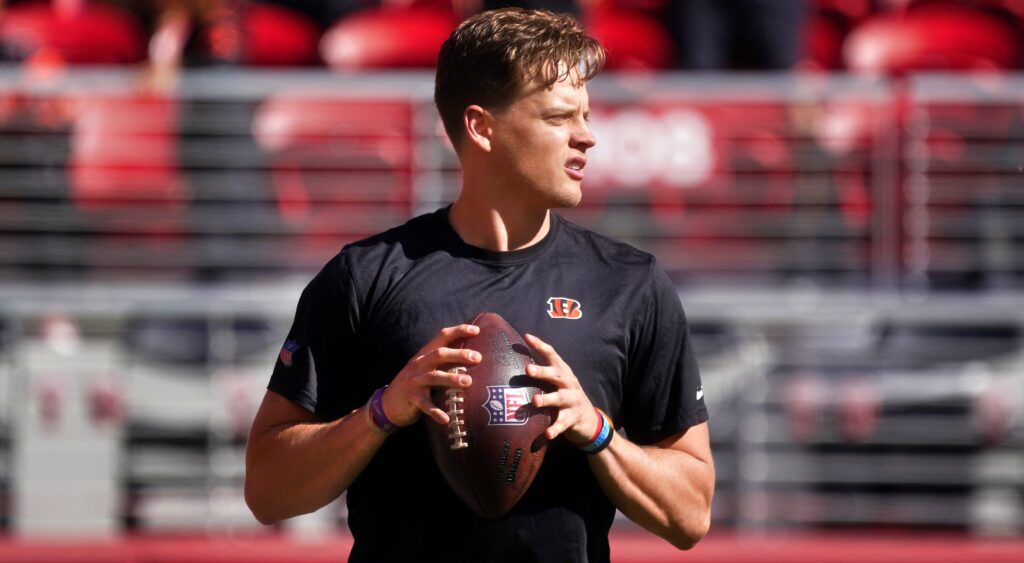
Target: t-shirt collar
<point>459,248</point>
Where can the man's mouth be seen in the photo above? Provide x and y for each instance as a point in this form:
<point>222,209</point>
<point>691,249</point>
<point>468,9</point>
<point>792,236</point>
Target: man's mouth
<point>574,168</point>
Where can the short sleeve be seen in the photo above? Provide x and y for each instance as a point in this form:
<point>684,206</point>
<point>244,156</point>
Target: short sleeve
<point>324,332</point>
<point>662,394</point>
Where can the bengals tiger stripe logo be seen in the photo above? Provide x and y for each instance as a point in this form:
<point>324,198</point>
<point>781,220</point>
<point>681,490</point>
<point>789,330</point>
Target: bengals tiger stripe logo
<point>564,308</point>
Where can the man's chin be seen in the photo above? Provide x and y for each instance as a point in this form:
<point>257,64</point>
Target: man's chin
<point>565,200</point>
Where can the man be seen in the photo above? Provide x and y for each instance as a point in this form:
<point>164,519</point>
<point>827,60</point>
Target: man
<point>601,315</point>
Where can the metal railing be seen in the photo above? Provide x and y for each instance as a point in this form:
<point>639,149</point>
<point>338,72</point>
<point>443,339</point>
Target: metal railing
<point>809,222</point>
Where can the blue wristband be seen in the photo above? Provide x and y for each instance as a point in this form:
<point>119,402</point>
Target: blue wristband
<point>604,436</point>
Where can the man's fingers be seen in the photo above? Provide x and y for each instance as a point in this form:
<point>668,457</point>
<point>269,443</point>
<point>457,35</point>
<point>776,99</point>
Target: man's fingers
<point>429,409</point>
<point>440,378</point>
<point>559,376</point>
<point>557,427</point>
<point>546,351</point>
<point>438,415</point>
<point>544,373</point>
<point>541,400</point>
<point>448,335</point>
<point>444,355</point>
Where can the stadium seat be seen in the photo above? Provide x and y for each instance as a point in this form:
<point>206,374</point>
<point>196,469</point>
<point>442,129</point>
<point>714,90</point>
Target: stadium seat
<point>826,25</point>
<point>277,36</point>
<point>124,182</point>
<point>822,44</point>
<point>335,154</point>
<point>633,41</point>
<point>123,152</point>
<point>95,34</point>
<point>932,37</point>
<point>849,9</point>
<point>387,38</point>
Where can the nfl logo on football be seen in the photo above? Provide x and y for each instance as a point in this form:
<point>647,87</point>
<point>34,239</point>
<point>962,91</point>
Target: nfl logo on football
<point>507,405</point>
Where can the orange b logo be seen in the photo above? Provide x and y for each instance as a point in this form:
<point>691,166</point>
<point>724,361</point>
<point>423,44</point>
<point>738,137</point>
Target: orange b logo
<point>564,308</point>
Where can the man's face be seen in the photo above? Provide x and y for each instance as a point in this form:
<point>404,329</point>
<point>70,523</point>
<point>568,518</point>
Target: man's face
<point>540,141</point>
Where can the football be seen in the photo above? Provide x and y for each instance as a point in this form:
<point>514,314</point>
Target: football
<point>494,444</point>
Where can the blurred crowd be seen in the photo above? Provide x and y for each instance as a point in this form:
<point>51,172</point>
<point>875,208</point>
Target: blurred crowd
<point>166,35</point>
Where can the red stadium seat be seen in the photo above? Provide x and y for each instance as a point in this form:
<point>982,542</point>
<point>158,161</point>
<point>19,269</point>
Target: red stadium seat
<point>124,177</point>
<point>853,10</point>
<point>387,38</point>
<point>276,36</point>
<point>825,28</point>
<point>633,41</point>
<point>334,158</point>
<point>933,37</point>
<point>822,44</point>
<point>97,34</point>
<point>123,152</point>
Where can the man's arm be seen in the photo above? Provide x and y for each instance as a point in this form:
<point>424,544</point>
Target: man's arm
<point>666,487</point>
<point>295,463</point>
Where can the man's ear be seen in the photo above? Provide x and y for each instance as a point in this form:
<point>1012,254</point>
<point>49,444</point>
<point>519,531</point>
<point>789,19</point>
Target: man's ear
<point>477,123</point>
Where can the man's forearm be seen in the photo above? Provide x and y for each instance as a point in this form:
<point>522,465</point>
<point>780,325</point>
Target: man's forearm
<point>297,468</point>
<point>295,464</point>
<point>666,491</point>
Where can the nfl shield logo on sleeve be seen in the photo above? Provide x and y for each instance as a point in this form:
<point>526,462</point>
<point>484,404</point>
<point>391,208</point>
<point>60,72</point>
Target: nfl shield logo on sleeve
<point>507,405</point>
<point>289,348</point>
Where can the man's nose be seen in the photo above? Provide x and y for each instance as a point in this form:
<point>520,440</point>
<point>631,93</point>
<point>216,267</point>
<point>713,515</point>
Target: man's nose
<point>583,138</point>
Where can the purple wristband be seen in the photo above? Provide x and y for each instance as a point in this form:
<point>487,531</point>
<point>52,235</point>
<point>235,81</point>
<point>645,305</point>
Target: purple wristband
<point>377,416</point>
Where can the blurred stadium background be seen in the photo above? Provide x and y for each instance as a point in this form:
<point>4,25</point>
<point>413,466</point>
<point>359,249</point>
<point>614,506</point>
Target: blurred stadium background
<point>842,209</point>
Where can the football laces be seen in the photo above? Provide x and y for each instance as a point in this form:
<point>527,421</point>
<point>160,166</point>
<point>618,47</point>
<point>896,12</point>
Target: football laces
<point>456,423</point>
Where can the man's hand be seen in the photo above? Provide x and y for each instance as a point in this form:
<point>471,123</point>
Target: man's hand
<point>408,396</point>
<point>666,487</point>
<point>576,416</point>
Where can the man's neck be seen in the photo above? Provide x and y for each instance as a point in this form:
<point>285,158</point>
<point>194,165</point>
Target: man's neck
<point>497,226</point>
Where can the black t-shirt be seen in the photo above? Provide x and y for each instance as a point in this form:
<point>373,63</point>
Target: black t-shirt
<point>606,307</point>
